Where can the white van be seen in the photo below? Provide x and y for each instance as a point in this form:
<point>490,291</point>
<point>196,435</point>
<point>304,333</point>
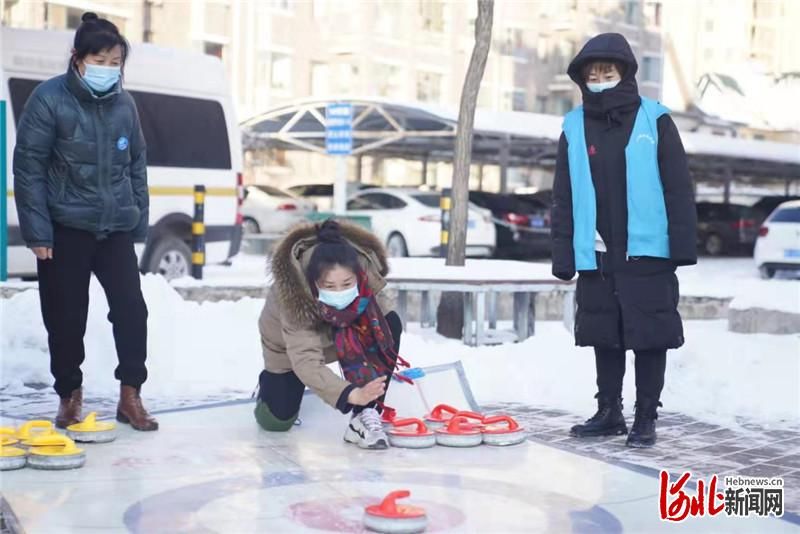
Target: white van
<point>192,136</point>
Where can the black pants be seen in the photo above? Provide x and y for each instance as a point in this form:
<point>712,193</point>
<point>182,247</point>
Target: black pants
<point>650,367</point>
<point>283,392</point>
<point>64,295</point>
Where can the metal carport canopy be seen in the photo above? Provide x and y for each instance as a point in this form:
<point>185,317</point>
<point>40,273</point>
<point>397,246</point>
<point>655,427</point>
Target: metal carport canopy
<point>387,128</point>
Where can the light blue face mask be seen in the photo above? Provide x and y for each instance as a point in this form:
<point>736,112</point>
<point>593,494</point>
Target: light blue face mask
<point>100,78</point>
<point>338,299</point>
<point>602,86</point>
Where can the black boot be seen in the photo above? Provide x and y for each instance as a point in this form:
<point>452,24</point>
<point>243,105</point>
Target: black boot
<point>643,432</point>
<point>608,421</point>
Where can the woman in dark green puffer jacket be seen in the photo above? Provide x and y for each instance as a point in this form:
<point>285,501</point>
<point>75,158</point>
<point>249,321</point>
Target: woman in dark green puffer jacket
<point>80,183</point>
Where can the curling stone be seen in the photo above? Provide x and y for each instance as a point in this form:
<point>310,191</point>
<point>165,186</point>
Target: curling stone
<point>392,518</point>
<point>459,432</point>
<point>8,436</point>
<point>12,458</point>
<point>411,434</point>
<point>91,431</point>
<point>55,452</point>
<point>502,430</point>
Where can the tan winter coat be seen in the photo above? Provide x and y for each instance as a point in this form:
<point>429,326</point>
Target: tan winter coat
<point>293,336</point>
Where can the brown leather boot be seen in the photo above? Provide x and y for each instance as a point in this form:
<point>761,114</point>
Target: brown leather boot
<point>131,411</point>
<point>69,410</point>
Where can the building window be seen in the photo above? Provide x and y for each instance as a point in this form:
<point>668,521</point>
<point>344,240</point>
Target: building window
<point>543,48</point>
<point>390,80</point>
<point>564,106</point>
<point>320,79</point>
<point>346,77</point>
<point>432,14</point>
<point>388,13</point>
<point>565,53</point>
<point>652,13</point>
<point>429,87</point>
<point>512,41</point>
<point>213,49</point>
<point>541,104</point>
<point>513,100</point>
<point>651,69</point>
<point>280,71</point>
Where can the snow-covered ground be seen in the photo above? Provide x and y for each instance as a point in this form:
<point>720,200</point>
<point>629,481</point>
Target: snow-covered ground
<point>213,349</point>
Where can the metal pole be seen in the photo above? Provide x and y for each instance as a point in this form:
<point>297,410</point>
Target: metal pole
<point>3,196</point>
<point>446,204</point>
<point>340,186</point>
<point>199,232</point>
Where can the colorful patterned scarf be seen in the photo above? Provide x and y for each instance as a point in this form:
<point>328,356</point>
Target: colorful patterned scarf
<point>363,340</point>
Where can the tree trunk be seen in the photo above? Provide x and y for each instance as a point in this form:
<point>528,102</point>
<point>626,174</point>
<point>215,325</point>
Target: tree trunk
<point>450,312</point>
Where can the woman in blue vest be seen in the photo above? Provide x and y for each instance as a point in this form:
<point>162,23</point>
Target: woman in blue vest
<point>623,218</point>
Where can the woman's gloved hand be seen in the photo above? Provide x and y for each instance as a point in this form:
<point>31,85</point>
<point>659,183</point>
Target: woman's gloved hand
<point>368,393</point>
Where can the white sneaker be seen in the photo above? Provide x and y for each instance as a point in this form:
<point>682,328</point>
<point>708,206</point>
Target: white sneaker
<point>366,430</point>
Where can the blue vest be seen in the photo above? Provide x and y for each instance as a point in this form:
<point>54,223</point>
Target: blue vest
<point>647,213</point>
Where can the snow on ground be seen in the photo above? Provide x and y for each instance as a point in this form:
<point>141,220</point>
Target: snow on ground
<point>501,270</point>
<point>211,349</point>
<point>245,270</point>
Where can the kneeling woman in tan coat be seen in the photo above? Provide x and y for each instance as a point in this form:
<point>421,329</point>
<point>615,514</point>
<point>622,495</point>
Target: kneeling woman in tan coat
<point>322,308</point>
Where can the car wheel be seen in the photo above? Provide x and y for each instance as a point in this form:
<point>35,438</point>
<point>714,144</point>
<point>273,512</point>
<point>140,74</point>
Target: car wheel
<point>766,272</point>
<point>250,226</point>
<point>171,258</point>
<point>714,245</point>
<point>396,246</point>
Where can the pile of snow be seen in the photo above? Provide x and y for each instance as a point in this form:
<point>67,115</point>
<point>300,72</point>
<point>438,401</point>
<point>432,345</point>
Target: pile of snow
<point>194,348</point>
<point>213,349</point>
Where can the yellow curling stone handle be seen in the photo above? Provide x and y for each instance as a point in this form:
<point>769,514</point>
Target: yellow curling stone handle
<point>54,445</point>
<point>26,430</point>
<point>90,424</point>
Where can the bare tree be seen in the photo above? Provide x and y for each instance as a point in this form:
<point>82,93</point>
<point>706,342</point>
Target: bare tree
<point>449,315</point>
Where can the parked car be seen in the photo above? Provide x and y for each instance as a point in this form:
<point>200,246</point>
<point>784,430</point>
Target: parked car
<point>522,224</point>
<point>269,210</point>
<point>726,228</point>
<point>322,194</point>
<point>778,244</point>
<point>409,222</point>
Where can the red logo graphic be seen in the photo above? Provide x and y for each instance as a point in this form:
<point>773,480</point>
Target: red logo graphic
<point>592,150</point>
<point>675,505</point>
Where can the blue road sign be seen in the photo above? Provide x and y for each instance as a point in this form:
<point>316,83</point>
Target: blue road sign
<point>339,129</point>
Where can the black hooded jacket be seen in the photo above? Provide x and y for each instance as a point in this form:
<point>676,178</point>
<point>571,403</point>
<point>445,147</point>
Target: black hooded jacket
<point>608,119</point>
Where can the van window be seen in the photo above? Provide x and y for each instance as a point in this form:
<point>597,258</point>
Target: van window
<point>183,132</point>
<point>20,90</point>
<point>180,131</point>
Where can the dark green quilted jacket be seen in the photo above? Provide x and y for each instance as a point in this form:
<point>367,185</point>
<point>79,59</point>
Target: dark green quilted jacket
<point>80,162</point>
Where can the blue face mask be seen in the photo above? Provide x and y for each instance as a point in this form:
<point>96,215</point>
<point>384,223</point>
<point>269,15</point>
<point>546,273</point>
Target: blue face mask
<point>338,299</point>
<point>99,78</point>
<point>602,86</point>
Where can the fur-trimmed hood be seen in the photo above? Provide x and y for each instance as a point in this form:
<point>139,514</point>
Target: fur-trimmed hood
<point>290,259</point>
